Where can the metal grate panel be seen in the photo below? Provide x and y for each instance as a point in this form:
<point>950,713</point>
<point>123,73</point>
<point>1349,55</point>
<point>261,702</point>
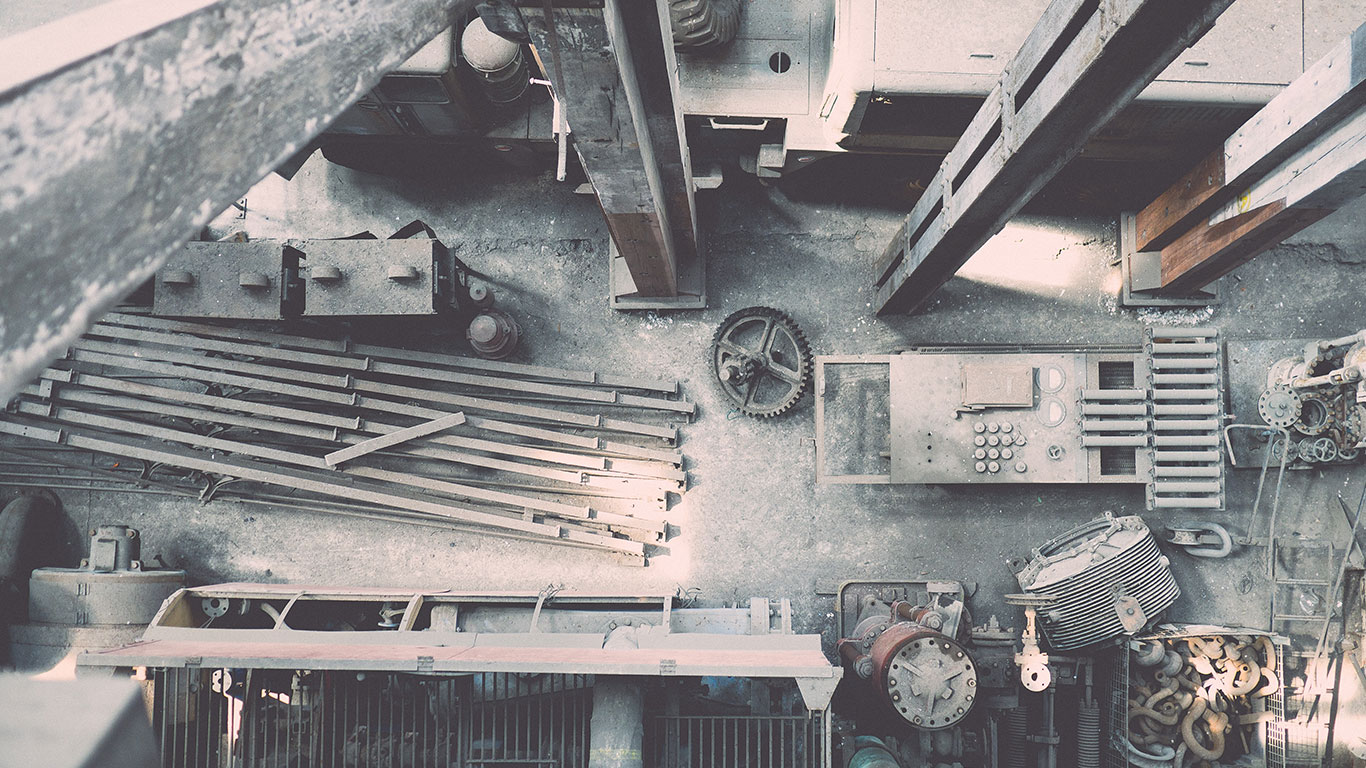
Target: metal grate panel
<point>738,741</point>
<point>236,718</point>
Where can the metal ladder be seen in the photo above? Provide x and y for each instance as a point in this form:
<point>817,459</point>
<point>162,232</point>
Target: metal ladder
<point>1185,371</point>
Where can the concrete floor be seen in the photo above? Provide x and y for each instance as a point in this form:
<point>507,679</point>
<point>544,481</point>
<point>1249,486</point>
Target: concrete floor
<point>753,521</point>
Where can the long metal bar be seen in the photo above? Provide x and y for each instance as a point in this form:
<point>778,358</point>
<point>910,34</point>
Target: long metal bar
<point>249,470</point>
<point>394,438</point>
<point>199,136</point>
<point>1080,65</point>
<point>280,343</point>
<point>371,404</point>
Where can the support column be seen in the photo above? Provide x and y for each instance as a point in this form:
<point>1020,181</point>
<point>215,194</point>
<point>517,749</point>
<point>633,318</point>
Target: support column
<point>615,75</point>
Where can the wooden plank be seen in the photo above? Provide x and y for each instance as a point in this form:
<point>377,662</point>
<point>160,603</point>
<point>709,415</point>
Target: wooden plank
<point>1071,79</point>
<point>90,119</point>
<point>1328,91</point>
<point>1208,252</point>
<point>1317,180</point>
<point>393,438</point>
<point>1179,204</point>
<point>627,130</point>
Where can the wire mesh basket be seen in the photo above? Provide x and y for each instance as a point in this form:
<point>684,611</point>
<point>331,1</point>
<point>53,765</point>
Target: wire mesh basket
<point>1275,743</point>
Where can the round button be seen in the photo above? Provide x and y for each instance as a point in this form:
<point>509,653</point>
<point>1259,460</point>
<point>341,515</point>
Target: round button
<point>993,453</point>
<point>979,440</point>
<point>980,453</point>
<point>980,466</point>
<point>993,440</point>
<point>1007,440</point>
<point>1020,466</point>
<point>979,427</point>
<point>993,427</point>
<point>1020,440</point>
<point>1007,426</point>
<point>994,467</point>
<point>1007,454</point>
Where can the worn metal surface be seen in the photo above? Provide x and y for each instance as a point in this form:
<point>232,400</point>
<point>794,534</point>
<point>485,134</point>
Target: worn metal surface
<point>762,361</point>
<point>125,128</point>
<point>370,277</point>
<point>1080,65</point>
<point>225,280</point>
<point>276,627</point>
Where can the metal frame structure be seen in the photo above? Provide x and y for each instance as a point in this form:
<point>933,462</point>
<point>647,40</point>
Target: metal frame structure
<point>443,631</point>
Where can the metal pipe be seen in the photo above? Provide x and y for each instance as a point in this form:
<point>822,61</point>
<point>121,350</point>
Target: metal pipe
<point>1106,441</point>
<point>1185,394</point>
<point>1196,332</point>
<point>1183,348</point>
<point>1120,409</point>
<point>1184,378</point>
<point>1113,394</point>
<point>1185,409</point>
<point>1116,425</point>
<point>1205,456</point>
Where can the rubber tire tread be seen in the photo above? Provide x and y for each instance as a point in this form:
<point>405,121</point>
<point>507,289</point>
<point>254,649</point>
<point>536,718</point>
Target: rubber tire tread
<point>700,24</point>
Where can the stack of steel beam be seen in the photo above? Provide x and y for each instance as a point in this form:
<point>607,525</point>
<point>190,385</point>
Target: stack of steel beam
<point>570,457</point>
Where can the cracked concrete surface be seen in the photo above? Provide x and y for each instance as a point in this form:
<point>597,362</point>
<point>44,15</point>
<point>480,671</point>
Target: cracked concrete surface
<point>753,521</point>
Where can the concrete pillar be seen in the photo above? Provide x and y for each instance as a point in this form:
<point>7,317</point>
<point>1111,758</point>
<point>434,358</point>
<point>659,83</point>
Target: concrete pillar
<point>616,731</point>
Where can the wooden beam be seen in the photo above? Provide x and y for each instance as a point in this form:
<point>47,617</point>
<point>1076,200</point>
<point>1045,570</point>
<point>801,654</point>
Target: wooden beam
<point>125,128</point>
<point>1317,180</point>
<point>1208,252</point>
<point>614,74</point>
<point>1083,62</point>
<point>1328,91</point>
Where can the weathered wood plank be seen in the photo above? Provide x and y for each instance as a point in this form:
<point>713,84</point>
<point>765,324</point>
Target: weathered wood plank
<point>614,77</point>
<point>1206,253</point>
<point>127,127</point>
<point>1317,180</point>
<point>1083,63</point>
<point>1328,91</point>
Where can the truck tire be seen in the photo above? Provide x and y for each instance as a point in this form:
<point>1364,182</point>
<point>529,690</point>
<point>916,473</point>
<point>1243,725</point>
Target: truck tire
<point>704,23</point>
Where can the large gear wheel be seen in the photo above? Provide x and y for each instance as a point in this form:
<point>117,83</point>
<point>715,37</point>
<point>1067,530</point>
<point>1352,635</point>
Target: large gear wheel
<point>1279,406</point>
<point>762,361</point>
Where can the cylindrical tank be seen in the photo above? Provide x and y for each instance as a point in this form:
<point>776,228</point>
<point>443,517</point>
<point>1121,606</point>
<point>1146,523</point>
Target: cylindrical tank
<point>105,603</point>
<point>499,62</point>
<point>926,677</point>
<point>871,752</point>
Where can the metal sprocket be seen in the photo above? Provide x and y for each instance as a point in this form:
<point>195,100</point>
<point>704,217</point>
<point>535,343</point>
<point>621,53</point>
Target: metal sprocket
<point>762,361</point>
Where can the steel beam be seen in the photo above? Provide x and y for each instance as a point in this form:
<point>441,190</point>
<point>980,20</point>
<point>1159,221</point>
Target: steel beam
<point>614,73</point>
<point>125,128</point>
<point>1083,62</point>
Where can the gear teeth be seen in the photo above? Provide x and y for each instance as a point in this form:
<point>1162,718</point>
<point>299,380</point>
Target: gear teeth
<point>805,362</point>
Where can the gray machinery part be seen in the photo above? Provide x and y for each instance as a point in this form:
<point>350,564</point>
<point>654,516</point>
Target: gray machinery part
<point>104,603</point>
<point>1108,579</point>
<point>871,752</point>
<point>910,656</point>
<point>616,731</point>
<point>84,723</point>
<point>18,521</point>
<point>1147,414</point>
